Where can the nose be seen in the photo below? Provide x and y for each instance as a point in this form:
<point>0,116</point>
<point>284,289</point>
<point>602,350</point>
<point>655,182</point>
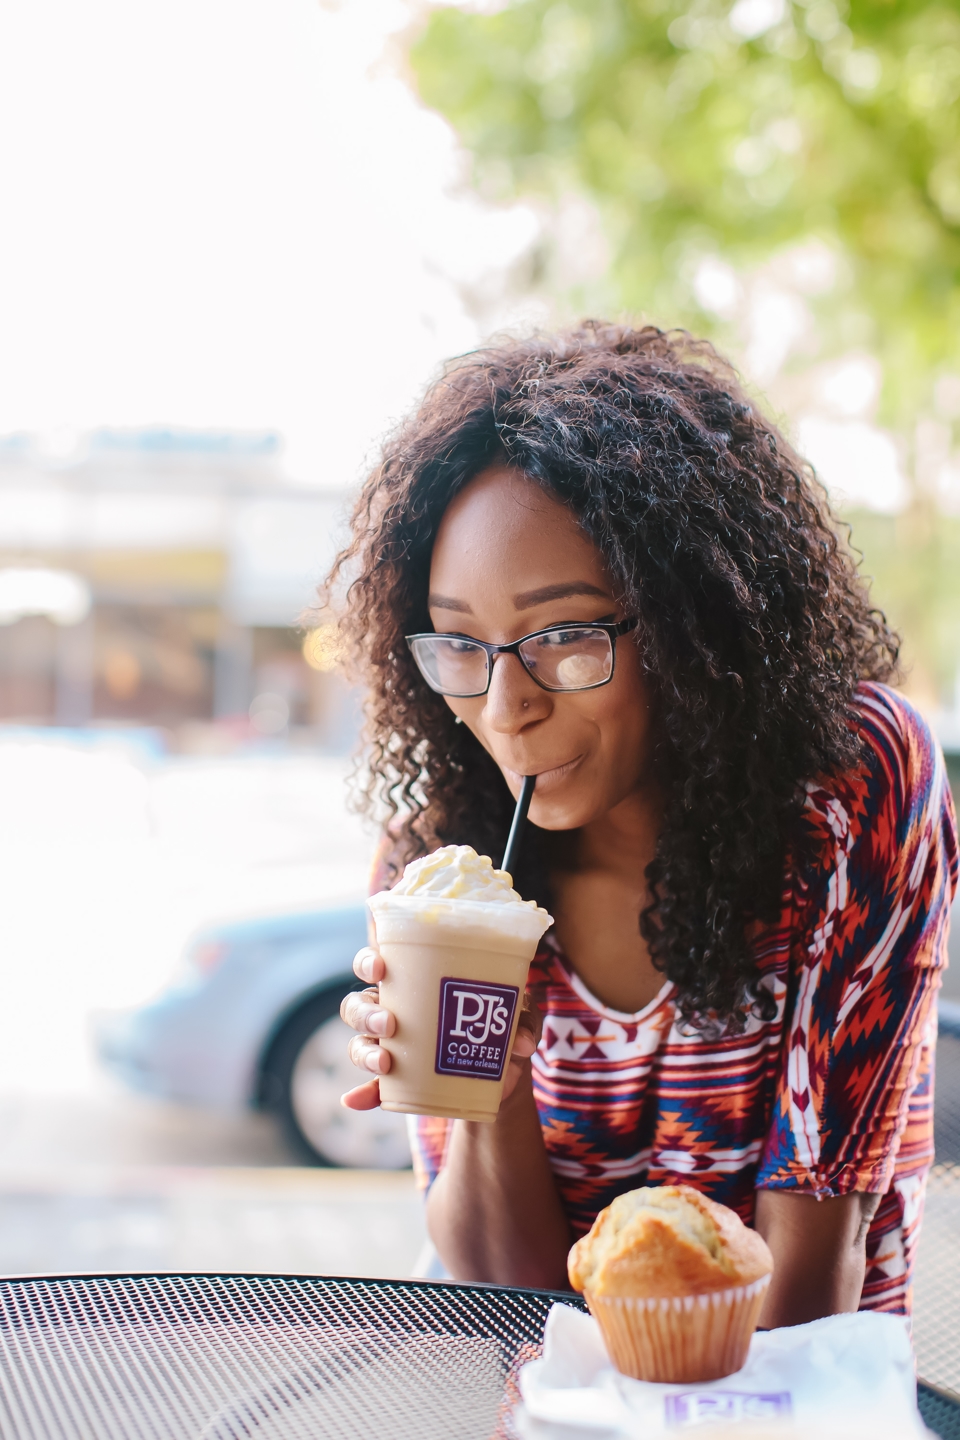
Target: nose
<point>514,700</point>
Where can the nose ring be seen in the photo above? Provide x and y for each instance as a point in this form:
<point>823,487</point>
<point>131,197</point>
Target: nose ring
<point>526,704</point>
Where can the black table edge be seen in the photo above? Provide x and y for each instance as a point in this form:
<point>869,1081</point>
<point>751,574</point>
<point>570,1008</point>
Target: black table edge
<point>566,1297</point>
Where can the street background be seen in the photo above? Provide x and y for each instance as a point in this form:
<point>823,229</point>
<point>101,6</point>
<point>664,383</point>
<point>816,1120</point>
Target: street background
<point>239,238</point>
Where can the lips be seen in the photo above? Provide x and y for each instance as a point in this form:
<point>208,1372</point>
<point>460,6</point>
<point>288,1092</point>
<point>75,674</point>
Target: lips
<point>548,776</point>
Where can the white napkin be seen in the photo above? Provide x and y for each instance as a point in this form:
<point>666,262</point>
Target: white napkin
<point>846,1375</point>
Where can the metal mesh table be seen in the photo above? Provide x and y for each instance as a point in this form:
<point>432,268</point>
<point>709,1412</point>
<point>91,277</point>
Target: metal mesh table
<point>220,1357</point>
<point>275,1357</point>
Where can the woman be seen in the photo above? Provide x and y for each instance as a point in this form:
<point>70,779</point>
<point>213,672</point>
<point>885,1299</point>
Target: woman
<point>745,837</point>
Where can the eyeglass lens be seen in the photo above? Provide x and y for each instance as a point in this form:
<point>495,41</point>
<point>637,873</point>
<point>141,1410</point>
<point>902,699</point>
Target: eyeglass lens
<point>569,659</point>
<point>451,666</point>
<point>573,659</point>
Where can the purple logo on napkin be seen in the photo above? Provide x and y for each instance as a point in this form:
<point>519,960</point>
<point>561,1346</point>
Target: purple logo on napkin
<point>473,1028</point>
<point>704,1407</point>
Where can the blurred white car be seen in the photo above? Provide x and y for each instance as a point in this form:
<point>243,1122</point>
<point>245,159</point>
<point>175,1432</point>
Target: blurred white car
<point>253,1019</point>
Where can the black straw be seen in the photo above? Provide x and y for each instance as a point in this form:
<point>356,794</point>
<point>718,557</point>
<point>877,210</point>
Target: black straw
<point>516,827</point>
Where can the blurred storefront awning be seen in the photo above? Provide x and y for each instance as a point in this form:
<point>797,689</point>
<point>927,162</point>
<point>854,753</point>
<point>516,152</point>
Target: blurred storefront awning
<point>196,561</point>
<point>168,516</point>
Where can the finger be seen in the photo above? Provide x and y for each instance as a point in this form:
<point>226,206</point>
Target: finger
<point>524,1045</point>
<point>515,1070</point>
<point>368,965</point>
<point>531,1021</point>
<point>525,1042</point>
<point>364,1097</point>
<point>367,1055</point>
<point>363,1013</point>
<point>356,1001</point>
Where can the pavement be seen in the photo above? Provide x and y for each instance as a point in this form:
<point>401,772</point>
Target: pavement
<point>279,1222</point>
<point>123,1183</point>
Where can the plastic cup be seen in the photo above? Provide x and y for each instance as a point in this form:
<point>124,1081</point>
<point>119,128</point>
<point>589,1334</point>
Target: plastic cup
<point>455,975</point>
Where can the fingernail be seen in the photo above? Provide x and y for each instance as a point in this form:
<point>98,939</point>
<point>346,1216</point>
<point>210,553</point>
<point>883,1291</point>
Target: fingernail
<point>377,1021</point>
<point>370,958</point>
<point>366,965</point>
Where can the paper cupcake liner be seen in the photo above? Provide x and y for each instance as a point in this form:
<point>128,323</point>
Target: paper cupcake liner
<point>681,1338</point>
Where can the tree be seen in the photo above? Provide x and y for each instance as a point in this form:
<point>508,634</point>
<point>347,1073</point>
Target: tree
<point>698,129</point>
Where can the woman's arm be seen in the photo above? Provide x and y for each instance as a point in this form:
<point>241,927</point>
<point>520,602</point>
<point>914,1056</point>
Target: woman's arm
<point>493,1211</point>
<point>819,1253</point>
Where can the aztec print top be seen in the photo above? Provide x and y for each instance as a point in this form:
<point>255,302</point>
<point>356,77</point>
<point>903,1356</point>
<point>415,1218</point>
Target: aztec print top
<point>833,1095</point>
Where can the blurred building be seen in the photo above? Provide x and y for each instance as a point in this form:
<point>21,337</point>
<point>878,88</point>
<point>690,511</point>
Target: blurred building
<point>159,577</point>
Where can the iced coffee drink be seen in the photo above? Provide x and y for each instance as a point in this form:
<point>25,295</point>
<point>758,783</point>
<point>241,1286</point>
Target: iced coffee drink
<point>457,941</point>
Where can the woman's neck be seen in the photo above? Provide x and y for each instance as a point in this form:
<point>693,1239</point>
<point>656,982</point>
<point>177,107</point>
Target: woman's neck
<point>600,890</point>
<point>624,840</point>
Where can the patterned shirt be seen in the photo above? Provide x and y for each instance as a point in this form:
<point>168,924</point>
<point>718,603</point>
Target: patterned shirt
<point>835,1093</point>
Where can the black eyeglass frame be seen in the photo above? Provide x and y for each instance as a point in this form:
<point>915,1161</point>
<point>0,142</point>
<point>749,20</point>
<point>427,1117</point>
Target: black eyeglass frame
<point>614,629</point>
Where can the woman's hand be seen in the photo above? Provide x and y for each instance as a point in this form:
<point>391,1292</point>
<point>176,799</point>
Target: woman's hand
<point>363,1012</point>
<point>529,1030</point>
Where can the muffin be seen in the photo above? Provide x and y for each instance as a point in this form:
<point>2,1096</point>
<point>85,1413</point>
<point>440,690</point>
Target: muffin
<point>675,1282</point>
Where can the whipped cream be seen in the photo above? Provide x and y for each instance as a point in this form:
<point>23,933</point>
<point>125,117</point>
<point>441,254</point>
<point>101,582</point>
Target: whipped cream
<point>457,872</point>
<point>460,891</point>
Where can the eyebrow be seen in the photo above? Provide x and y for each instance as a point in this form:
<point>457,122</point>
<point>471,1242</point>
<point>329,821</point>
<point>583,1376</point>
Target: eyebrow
<point>527,599</point>
<point>562,591</point>
<point>445,602</point>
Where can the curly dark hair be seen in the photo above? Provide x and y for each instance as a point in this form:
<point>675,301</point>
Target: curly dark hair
<point>755,628</point>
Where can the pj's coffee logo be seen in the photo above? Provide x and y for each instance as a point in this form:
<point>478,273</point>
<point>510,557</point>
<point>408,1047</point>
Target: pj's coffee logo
<point>474,1028</point>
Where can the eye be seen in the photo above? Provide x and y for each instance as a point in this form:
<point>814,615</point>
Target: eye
<point>556,639</point>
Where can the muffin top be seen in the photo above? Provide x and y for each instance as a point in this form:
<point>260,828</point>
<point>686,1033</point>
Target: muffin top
<point>666,1240</point>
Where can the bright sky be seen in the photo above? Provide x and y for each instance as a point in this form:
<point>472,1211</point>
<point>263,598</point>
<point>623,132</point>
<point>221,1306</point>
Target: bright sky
<point>235,213</point>
<point>227,213</point>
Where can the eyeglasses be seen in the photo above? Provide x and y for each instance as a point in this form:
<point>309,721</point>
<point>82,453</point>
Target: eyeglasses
<point>562,657</point>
